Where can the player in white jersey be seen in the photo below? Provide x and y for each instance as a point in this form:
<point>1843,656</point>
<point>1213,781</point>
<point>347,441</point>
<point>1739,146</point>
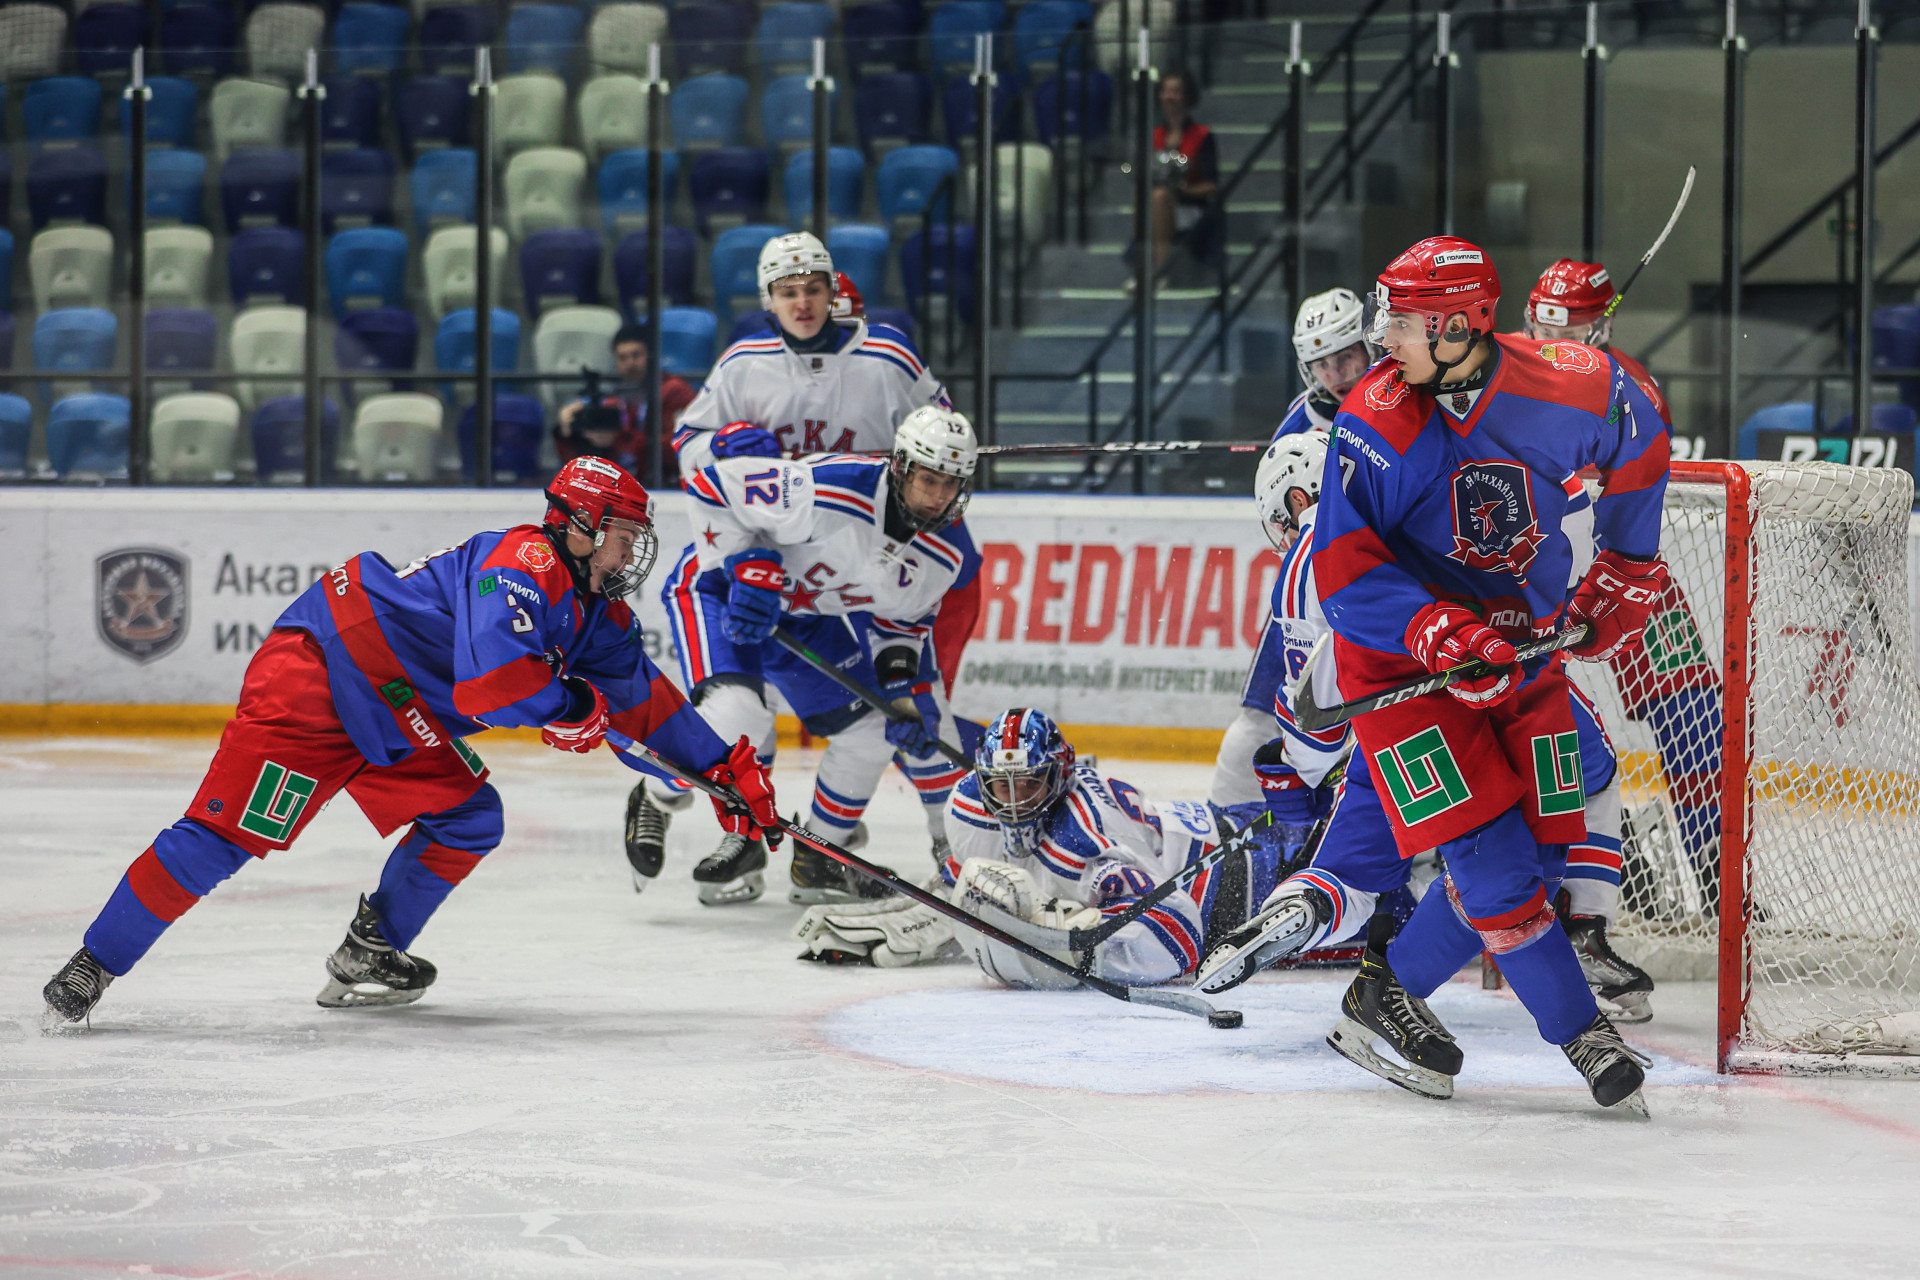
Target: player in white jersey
<point>1331,351</point>
<point>807,383</point>
<point>1058,845</point>
<point>853,556</point>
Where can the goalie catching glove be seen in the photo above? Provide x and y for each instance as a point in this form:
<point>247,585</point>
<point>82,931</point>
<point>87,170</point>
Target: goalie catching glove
<point>1442,636</point>
<point>1615,600</point>
<point>986,886</point>
<point>890,934</point>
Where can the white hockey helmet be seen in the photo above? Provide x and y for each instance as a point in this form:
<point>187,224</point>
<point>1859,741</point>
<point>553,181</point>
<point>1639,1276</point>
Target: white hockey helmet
<point>1327,323</point>
<point>798,253</point>
<point>1292,462</point>
<point>939,440</point>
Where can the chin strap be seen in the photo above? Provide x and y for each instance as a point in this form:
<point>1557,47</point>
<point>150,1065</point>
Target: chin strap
<point>1441,368</point>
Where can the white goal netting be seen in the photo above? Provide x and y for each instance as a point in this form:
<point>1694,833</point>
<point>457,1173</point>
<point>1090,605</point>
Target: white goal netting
<point>1830,950</point>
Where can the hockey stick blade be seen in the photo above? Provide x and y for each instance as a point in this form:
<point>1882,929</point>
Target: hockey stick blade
<point>1166,1000</point>
<point>1673,219</point>
<point>791,643</point>
<point>1311,716</point>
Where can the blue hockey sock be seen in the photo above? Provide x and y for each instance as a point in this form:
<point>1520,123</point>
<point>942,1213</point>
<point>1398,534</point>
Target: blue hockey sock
<point>1433,945</point>
<point>434,856</point>
<point>1546,975</point>
<point>180,867</point>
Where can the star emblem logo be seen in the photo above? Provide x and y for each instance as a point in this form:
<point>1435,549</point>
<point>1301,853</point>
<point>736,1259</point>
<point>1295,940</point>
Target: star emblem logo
<point>141,598</point>
<point>1483,516</point>
<point>711,537</point>
<point>800,598</point>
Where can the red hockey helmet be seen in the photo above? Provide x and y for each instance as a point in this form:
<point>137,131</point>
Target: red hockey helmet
<point>1571,296</point>
<point>1440,277</point>
<point>598,499</point>
<point>847,302</point>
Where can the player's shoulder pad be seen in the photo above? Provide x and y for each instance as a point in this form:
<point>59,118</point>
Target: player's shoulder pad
<point>1559,372</point>
<point>1391,411</point>
<point>524,551</point>
<point>884,342</point>
<point>848,484</point>
<point>964,803</point>
<point>952,546</point>
<point>768,343</point>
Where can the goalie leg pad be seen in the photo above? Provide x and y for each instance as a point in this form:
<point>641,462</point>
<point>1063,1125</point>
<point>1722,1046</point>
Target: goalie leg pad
<point>889,934</point>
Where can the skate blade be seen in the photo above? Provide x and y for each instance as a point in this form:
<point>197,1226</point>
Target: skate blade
<point>1356,1044</point>
<point>1277,939</point>
<point>55,1023</point>
<point>1634,1104</point>
<point>364,995</point>
<point>641,882</point>
<point>1629,1009</point>
<point>815,897</point>
<point>746,888</point>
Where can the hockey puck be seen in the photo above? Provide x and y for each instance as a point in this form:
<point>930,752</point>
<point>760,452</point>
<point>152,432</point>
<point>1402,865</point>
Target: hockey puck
<point>1225,1019</point>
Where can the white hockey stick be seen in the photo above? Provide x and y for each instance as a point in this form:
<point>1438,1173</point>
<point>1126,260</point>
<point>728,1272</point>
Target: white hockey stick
<point>1645,258</point>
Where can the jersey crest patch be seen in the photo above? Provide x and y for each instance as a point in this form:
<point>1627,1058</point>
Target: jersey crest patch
<point>1496,528</point>
<point>537,556</point>
<point>1385,393</point>
<point>1571,357</point>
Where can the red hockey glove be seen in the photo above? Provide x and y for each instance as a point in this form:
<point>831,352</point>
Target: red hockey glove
<point>1442,636</point>
<point>1615,600</point>
<point>587,732</point>
<point>743,771</point>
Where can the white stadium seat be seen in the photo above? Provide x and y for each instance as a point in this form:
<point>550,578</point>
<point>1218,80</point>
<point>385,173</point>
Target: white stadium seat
<point>396,437</point>
<point>178,259</point>
<point>71,267</point>
<point>568,338</point>
<point>449,267</point>
<point>268,340</point>
<point>193,438</point>
<point>544,187</point>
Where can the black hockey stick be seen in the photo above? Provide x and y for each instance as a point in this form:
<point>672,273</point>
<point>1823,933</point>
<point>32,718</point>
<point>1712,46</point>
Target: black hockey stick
<point>1224,1018</point>
<point>1087,939</point>
<point>788,641</point>
<point>1311,716</point>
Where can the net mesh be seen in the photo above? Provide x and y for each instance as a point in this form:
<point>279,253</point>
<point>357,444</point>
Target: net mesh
<point>1833,858</point>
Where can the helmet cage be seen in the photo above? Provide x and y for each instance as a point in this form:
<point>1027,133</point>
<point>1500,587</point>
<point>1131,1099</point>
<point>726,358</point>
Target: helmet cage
<point>1022,747</point>
<point>899,467</point>
<point>626,579</point>
<point>1381,310</point>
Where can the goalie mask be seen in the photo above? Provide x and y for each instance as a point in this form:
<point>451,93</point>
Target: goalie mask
<point>599,500</point>
<point>1291,463</point>
<point>936,440</point>
<point>1024,767</point>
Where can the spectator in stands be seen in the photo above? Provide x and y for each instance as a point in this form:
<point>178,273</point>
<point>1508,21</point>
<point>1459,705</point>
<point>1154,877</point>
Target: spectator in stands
<point>1187,174</point>
<point>631,445</point>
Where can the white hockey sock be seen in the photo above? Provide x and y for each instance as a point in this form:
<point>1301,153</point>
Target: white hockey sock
<point>733,710</point>
<point>1352,908</point>
<point>1593,864</point>
<point>1233,780</point>
<point>850,768</point>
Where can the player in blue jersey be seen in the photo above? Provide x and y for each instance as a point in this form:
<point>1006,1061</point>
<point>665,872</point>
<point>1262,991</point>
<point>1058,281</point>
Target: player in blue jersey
<point>369,683</point>
<point>1459,463</point>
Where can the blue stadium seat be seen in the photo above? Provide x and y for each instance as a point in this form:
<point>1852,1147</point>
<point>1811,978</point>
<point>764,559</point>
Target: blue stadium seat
<point>456,343</point>
<point>171,113</point>
<point>786,34</point>
<point>431,112</point>
<point>1893,419</point>
<point>676,276</point>
<point>860,250</point>
<point>260,187</point>
<point>6,274</point>
<point>68,185</point>
<point>366,268</point>
<point>953,26</point>
<point>61,110</point>
<point>686,340</point>
<point>623,188</point>
<point>893,319</point>
<point>383,340</point>
<point>1795,415</point>
<point>1896,345</point>
<point>16,430</point>
<point>105,36</point>
<point>560,267</point>
<point>6,341</point>
<point>87,435</point>
<point>846,183</point>
<point>442,186</point>
<point>181,340</point>
<point>710,37</point>
<point>198,40</point>
<point>544,37</point>
<point>751,324</point>
<point>1056,106</point>
<point>350,116</point>
<point>370,39</point>
<point>729,185</point>
<point>919,252</point>
<point>708,111</point>
<point>1041,28</point>
<point>356,188</point>
<point>267,264</point>
<point>176,183</point>
<point>961,110</point>
<point>786,113</point>
<point>877,36</point>
<point>735,262</point>
<point>280,438</point>
<point>448,35</point>
<point>908,178</point>
<point>892,109</point>
<point>519,428</point>
<point>74,340</point>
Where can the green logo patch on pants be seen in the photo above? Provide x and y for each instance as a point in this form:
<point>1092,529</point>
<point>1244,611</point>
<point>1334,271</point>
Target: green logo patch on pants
<point>1422,776</point>
<point>279,798</point>
<point>1556,774</point>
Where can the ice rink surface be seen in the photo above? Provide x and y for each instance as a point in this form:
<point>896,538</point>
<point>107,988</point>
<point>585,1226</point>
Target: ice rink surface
<point>610,1085</point>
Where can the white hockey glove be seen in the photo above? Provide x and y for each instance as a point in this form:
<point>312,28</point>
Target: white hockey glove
<point>890,934</point>
<point>1065,913</point>
<point>998,884</point>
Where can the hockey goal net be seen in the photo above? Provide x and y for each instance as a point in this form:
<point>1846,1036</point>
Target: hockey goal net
<point>1768,729</point>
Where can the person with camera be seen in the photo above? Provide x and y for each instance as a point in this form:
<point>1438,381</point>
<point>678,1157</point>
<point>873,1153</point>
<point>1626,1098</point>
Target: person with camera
<point>614,425</point>
<point>1186,174</point>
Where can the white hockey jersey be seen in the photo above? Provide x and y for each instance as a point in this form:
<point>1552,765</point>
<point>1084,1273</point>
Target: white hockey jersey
<point>826,516</point>
<point>1296,607</point>
<point>1105,845</point>
<point>844,401</point>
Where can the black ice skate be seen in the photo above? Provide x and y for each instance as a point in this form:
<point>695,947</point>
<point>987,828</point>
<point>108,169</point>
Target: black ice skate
<point>734,872</point>
<point>1274,934</point>
<point>818,878</point>
<point>367,971</point>
<point>73,992</point>
<point>1621,986</point>
<point>941,852</point>
<point>1614,1071</point>
<point>646,837</point>
<point>1376,1005</point>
